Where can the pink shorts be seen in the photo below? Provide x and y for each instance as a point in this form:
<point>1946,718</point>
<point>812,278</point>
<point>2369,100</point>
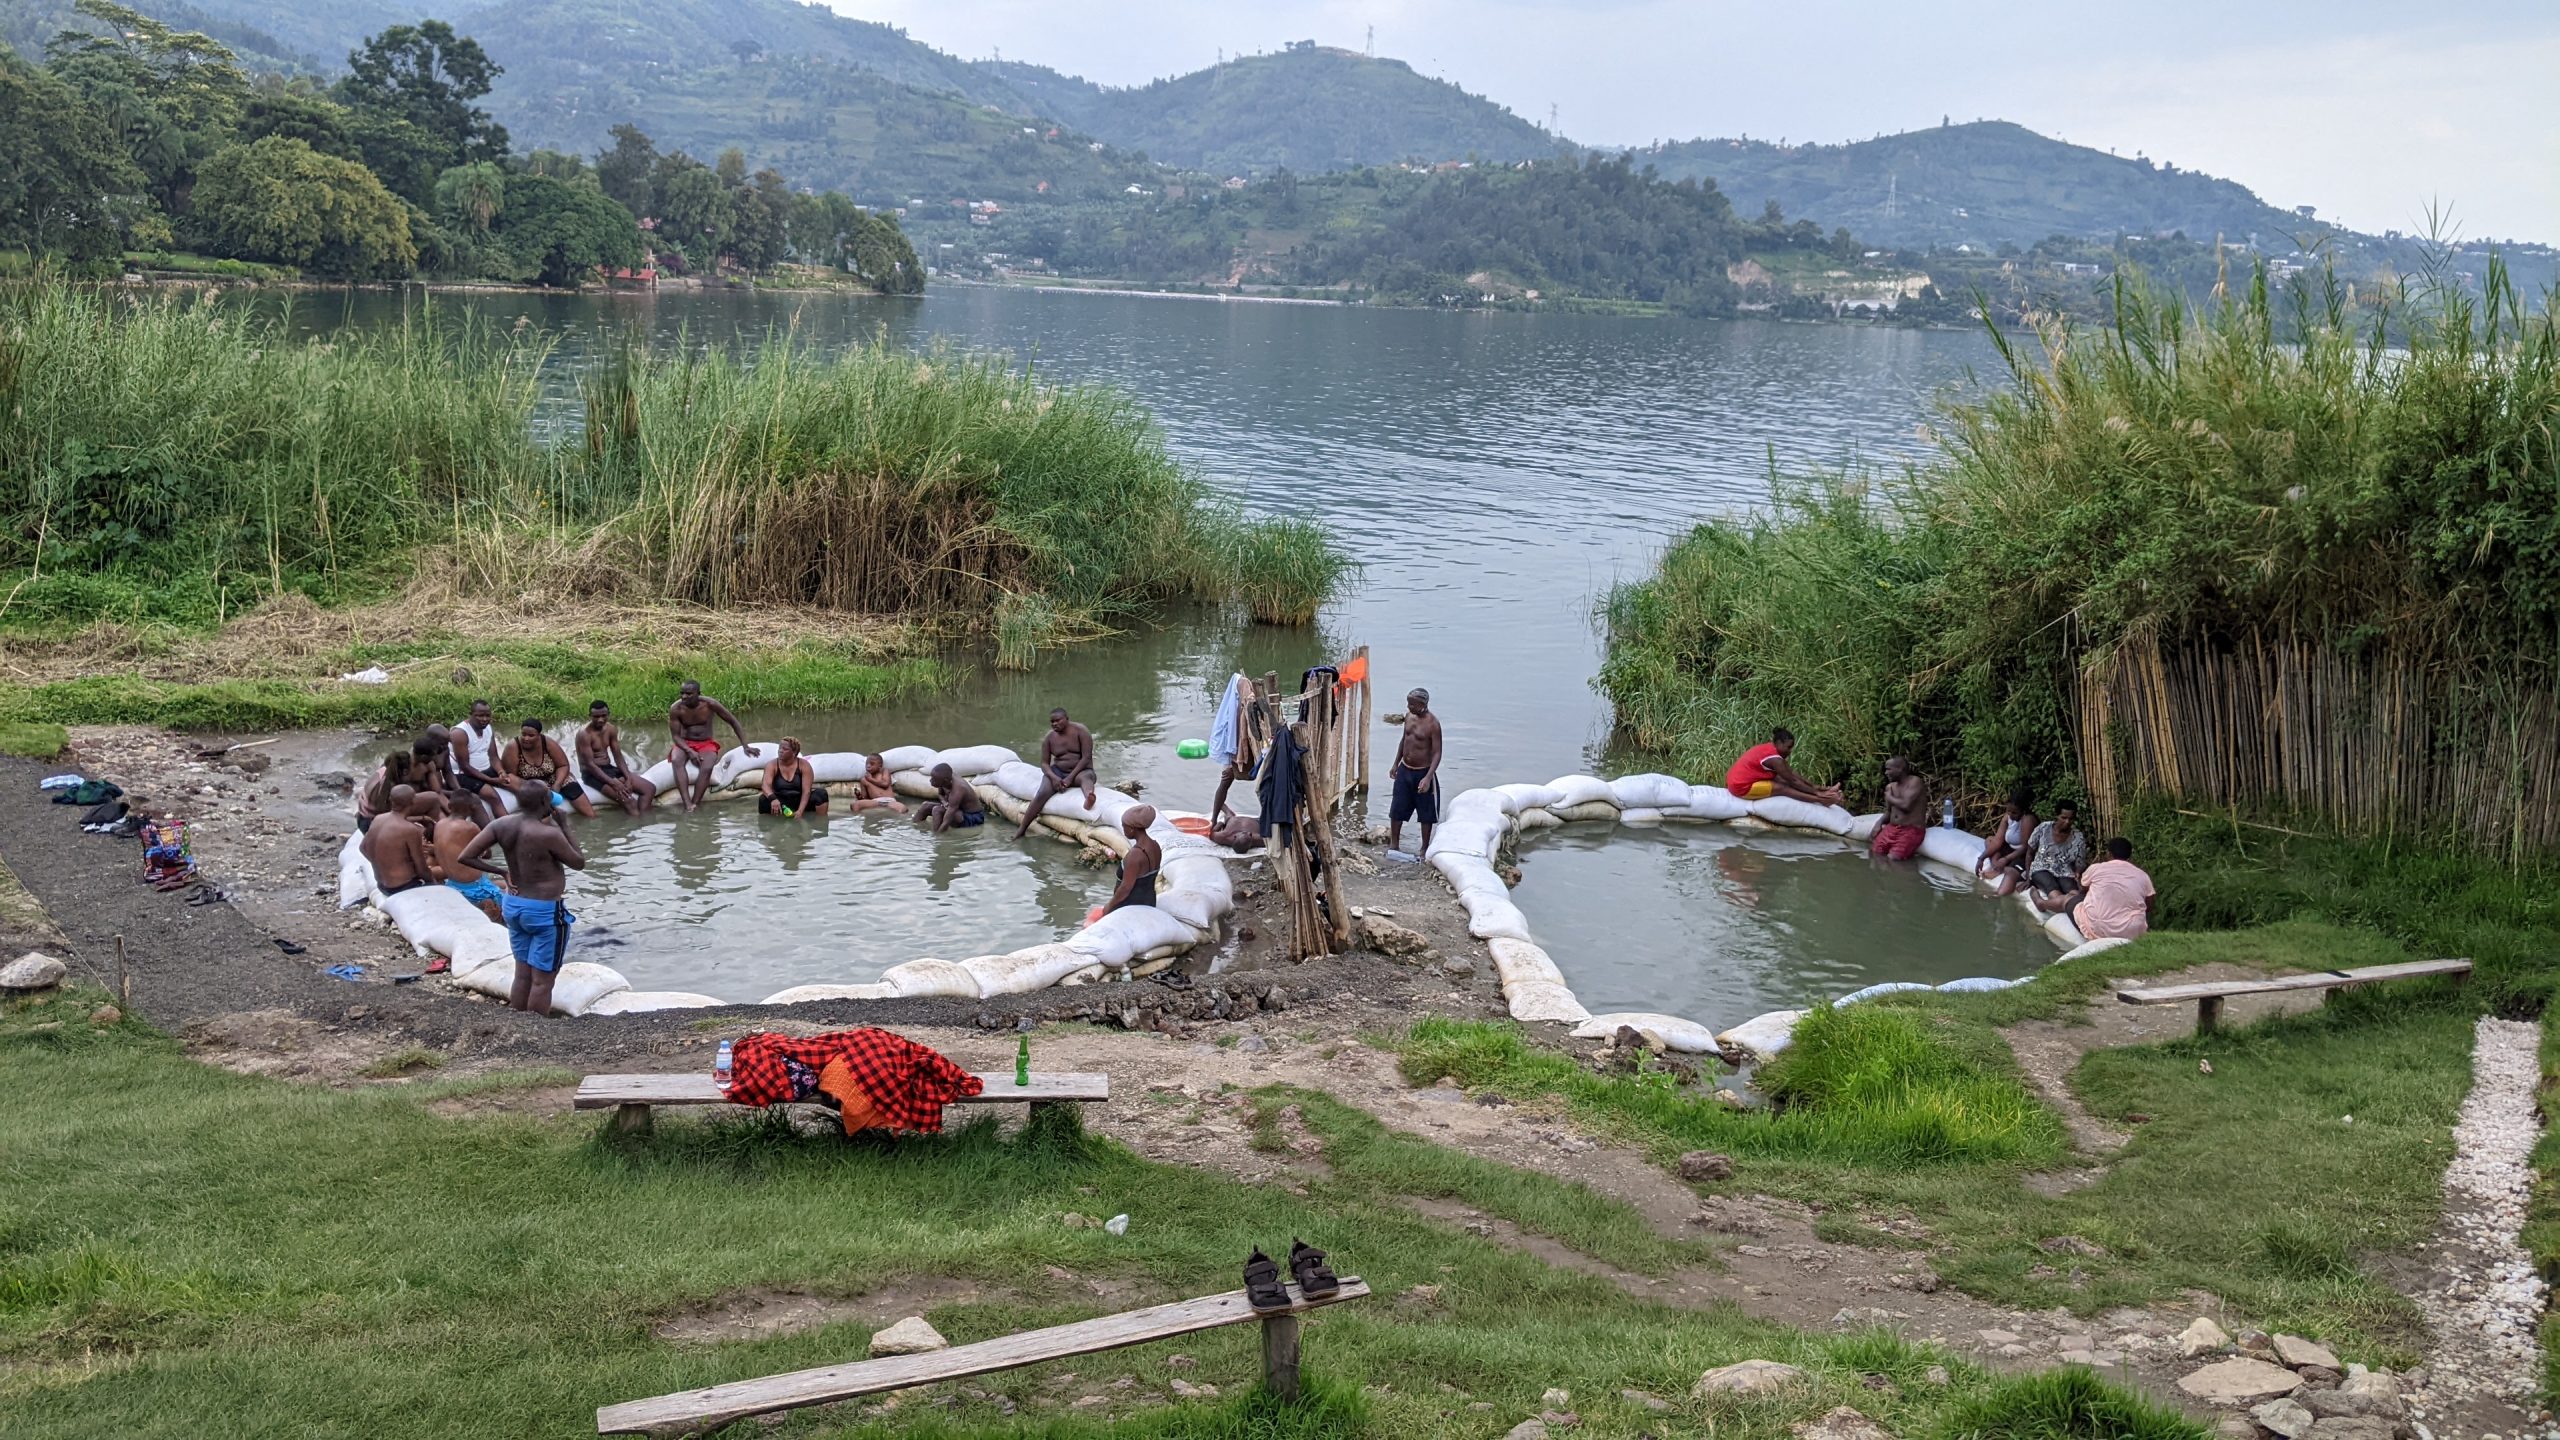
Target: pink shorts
<point>1897,842</point>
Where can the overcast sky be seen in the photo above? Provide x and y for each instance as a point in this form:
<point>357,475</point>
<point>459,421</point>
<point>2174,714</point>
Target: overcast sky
<point>2369,109</point>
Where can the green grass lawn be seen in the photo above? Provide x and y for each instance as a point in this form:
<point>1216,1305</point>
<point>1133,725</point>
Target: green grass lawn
<point>185,1252</point>
<point>2250,1182</point>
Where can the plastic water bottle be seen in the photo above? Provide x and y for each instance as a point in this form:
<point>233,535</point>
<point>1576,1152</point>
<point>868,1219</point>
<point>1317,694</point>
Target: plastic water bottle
<point>721,1072</point>
<point>1947,816</point>
<point>1022,1062</point>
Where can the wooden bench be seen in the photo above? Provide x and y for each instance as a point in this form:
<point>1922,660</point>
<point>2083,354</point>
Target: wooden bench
<point>697,1410</point>
<point>2208,997</point>
<point>630,1097</point>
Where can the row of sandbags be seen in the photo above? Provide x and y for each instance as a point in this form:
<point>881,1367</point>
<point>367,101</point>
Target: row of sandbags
<point>1474,825</point>
<point>1193,896</point>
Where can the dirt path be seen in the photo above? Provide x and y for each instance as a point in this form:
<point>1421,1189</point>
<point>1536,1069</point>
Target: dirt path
<point>2483,1299</point>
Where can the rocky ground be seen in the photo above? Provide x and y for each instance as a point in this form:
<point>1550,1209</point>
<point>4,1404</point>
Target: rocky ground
<point>1183,1050</point>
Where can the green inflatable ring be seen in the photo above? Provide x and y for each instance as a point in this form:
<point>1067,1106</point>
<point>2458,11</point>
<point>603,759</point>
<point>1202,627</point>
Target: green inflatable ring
<point>1192,749</point>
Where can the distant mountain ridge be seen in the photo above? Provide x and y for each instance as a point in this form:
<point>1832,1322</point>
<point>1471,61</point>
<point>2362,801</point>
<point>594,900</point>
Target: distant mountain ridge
<point>1987,183</point>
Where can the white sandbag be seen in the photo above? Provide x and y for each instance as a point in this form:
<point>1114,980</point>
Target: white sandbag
<point>1108,807</point>
<point>2064,932</point>
<point>1128,933</point>
<point>1019,780</point>
<point>1588,810</point>
<point>1640,815</point>
<point>971,761</point>
<point>580,984</point>
<point>1890,987</point>
<point>1977,985</point>
<point>1862,828</point>
<point>1761,1036</point>
<point>1036,967</point>
<point>1195,890</point>
<point>355,873</point>
<point>1715,802</point>
<point>1572,790</point>
<point>1490,918</point>
<point>735,763</point>
<point>1753,825</point>
<point>640,1002</point>
<point>1478,835</point>
<point>1779,810</point>
<point>1669,1032</point>
<point>908,757</point>
<point>1516,798</point>
<point>931,977</point>
<point>435,918</point>
<point>1057,824</point>
<point>798,993</point>
<point>1003,804</point>
<point>1649,792</point>
<point>1475,804</point>
<point>1959,848</point>
<point>1522,962</point>
<point>1085,976</point>
<point>495,981</point>
<point>833,767</point>
<point>1462,870</point>
<point>661,776</point>
<point>914,784</point>
<point>2098,946</point>
<point>1538,1001</point>
<point>1535,818</point>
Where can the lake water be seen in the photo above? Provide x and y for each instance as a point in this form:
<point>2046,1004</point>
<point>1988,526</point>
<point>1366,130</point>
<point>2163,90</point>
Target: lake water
<point>1495,474</point>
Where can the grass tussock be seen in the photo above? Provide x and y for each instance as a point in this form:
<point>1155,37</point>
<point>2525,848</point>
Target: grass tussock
<point>2067,1404</point>
<point>2175,477</point>
<point>183,461</point>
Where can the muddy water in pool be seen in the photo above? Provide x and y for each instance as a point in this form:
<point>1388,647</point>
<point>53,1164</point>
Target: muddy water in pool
<point>1494,474</point>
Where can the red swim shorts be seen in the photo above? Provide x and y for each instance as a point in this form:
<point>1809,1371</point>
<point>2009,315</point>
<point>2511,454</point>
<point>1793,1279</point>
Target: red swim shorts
<point>1897,842</point>
<point>701,747</point>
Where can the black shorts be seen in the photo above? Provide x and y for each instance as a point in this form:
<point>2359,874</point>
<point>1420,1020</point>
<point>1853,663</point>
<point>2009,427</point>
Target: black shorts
<point>471,782</point>
<point>766,803</point>
<point>1049,780</point>
<point>2052,882</point>
<point>1411,801</point>
<point>570,789</point>
<point>596,775</point>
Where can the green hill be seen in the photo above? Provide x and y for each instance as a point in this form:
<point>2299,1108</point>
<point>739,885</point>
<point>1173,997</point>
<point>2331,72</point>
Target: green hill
<point>1309,108</point>
<point>27,25</point>
<point>1985,183</point>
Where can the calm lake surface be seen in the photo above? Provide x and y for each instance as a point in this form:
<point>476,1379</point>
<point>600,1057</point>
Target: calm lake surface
<point>1494,473</point>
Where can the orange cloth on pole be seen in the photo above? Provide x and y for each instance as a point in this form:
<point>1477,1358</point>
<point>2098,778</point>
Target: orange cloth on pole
<point>1353,672</point>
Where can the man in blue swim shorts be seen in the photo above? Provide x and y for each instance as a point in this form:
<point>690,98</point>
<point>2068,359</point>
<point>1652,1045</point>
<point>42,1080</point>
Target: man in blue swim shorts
<point>540,852</point>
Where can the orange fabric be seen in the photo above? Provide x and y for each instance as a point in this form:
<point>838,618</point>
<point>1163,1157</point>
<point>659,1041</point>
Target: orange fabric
<point>859,1113</point>
<point>1352,673</point>
<point>1191,824</point>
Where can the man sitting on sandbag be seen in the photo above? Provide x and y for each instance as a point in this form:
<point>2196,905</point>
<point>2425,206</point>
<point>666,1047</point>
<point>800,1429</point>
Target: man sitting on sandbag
<point>1763,773</point>
<point>397,847</point>
<point>1066,763</point>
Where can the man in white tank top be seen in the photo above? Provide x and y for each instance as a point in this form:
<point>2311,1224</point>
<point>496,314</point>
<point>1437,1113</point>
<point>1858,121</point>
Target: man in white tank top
<point>475,757</point>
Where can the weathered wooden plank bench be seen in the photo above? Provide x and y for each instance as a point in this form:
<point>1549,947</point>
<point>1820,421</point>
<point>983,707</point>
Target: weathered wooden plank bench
<point>694,1411</point>
<point>631,1097</point>
<point>2208,996</point>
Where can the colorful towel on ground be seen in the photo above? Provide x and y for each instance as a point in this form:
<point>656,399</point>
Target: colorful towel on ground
<point>908,1083</point>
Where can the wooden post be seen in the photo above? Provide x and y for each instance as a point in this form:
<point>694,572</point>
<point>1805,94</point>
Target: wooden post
<point>630,1119</point>
<point>1365,681</point>
<point>2208,1014</point>
<point>124,977</point>
<point>1280,1357</point>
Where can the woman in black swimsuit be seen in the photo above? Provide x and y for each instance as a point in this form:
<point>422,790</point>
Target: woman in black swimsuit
<point>1137,868</point>
<point>537,757</point>
<point>790,787</point>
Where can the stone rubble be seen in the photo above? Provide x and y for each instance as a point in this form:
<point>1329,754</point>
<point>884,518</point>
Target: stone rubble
<point>2488,1300</point>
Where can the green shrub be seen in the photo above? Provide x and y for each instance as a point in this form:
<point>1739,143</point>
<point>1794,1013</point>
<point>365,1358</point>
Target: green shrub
<point>2066,1404</point>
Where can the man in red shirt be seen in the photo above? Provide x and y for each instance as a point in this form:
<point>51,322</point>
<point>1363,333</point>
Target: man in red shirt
<point>1763,772</point>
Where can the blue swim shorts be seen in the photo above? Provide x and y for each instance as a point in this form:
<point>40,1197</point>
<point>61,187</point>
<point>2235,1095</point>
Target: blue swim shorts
<point>537,931</point>
<point>478,892</point>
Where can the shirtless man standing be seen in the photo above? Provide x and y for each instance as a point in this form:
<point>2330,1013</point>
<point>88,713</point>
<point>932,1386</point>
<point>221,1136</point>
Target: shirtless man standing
<point>695,752</point>
<point>538,846</point>
<point>397,847</point>
<point>1417,772</point>
<point>448,835</point>
<point>605,769</point>
<point>1906,813</point>
<point>1066,762</point>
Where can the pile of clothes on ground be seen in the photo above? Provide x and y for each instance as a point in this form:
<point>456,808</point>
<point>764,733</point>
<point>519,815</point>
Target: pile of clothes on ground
<point>168,858</point>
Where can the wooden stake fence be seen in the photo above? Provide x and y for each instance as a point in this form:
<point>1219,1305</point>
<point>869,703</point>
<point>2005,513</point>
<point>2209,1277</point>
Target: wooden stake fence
<point>1334,733</point>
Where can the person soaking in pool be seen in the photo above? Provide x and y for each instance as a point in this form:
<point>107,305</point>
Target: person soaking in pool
<point>790,786</point>
<point>1417,772</point>
<point>1138,868</point>
<point>873,791</point>
<point>954,805</point>
<point>1763,772</point>
<point>1066,763</point>
<point>1906,813</point>
<point>540,854</point>
<point>695,752</point>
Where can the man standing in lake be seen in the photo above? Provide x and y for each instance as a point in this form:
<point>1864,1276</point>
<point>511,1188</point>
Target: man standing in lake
<point>695,752</point>
<point>540,852</point>
<point>1417,772</point>
<point>1066,762</point>
<point>1906,813</point>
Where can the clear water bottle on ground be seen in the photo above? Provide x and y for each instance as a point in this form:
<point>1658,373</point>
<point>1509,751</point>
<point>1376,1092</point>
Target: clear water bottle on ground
<point>1947,815</point>
<point>721,1073</point>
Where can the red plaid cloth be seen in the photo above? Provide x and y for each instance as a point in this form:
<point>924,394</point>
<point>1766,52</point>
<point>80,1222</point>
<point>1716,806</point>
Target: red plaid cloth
<point>909,1083</point>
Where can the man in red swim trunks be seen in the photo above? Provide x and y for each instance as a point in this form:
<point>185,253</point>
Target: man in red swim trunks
<point>1906,813</point>
<point>1763,772</point>
<point>695,752</point>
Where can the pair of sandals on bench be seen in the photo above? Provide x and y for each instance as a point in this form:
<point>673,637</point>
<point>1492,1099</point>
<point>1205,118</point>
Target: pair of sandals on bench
<point>1262,1287</point>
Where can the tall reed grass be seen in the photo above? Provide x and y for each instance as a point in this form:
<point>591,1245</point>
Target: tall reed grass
<point>180,459</point>
<point>2186,477</point>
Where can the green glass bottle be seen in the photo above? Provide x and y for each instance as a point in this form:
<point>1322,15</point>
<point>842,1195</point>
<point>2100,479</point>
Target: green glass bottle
<point>1022,1062</point>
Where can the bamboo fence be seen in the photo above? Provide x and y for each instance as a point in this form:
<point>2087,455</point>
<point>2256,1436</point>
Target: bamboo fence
<point>2389,741</point>
<point>1334,728</point>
